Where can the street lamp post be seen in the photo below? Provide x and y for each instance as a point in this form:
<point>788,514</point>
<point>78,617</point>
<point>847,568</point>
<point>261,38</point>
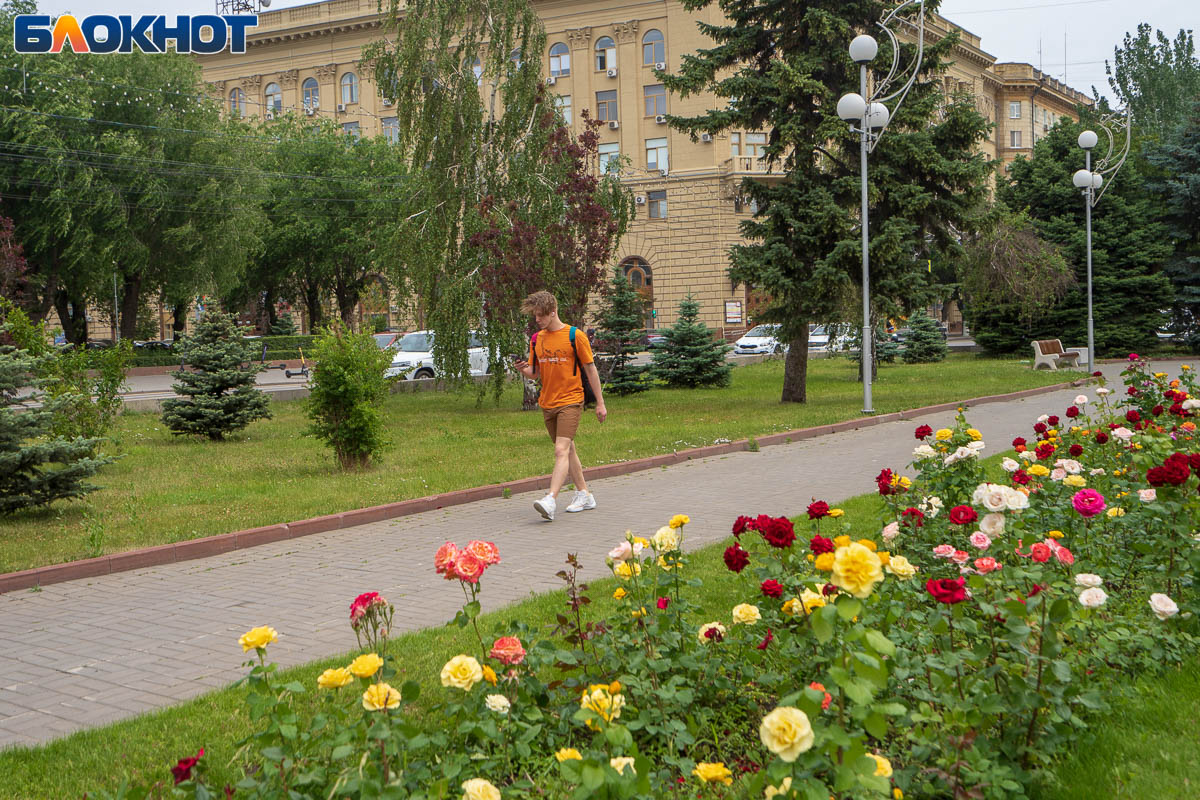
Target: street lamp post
<point>1088,181</point>
<point>871,115</point>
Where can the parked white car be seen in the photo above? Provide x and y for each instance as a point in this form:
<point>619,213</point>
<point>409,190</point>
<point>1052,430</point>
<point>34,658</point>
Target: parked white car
<point>414,356</point>
<point>759,339</point>
<point>826,337</point>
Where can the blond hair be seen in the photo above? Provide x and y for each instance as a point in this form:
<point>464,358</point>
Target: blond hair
<point>541,303</point>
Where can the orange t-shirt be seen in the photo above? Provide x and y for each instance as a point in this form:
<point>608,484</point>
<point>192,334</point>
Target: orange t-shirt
<point>556,362</point>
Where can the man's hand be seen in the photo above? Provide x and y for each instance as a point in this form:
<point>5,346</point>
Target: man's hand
<point>523,368</point>
<point>601,411</point>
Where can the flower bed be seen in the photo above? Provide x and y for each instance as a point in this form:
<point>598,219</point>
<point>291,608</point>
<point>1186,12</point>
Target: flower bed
<point>952,655</point>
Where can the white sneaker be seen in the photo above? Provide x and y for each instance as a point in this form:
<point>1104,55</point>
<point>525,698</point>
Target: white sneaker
<point>584,501</point>
<point>546,506</point>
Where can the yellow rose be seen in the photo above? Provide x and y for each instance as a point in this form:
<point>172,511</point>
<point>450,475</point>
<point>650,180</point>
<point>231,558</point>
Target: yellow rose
<point>784,788</point>
<point>943,434</point>
<point>379,696</point>
<point>605,704</point>
<point>904,482</point>
<point>669,564</point>
<point>1122,494</point>
<point>489,675</point>
<point>679,520</point>
<point>1115,511</point>
<point>462,672</point>
<point>786,732</point>
<point>665,539</point>
<point>857,570</point>
<point>1038,470</point>
<point>841,541</point>
<point>620,763</point>
<point>257,638</point>
<point>883,767</point>
<point>836,512</point>
<point>703,636</point>
<point>812,600</point>
<point>479,789</point>
<point>568,754</point>
<point>1055,534</point>
<point>900,567</point>
<point>824,562</point>
<point>792,607</point>
<point>1185,366</point>
<point>884,557</point>
<point>867,543</point>
<point>1160,374</point>
<point>642,540</point>
<point>745,614</point>
<point>625,572</point>
<point>614,687</point>
<point>366,665</point>
<point>713,773</point>
<point>638,613</point>
<point>619,594</point>
<point>897,794</point>
<point>1078,481</point>
<point>974,434</point>
<point>334,678</point>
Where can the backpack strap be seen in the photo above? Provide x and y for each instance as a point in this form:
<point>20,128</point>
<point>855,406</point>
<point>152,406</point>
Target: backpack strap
<point>575,366</point>
<point>533,351</point>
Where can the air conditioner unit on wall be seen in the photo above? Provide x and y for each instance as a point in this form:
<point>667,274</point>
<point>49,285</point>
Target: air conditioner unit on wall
<point>661,119</point>
<point>660,65</point>
<point>551,80</point>
<point>308,111</point>
<point>640,200</point>
<point>613,124</point>
<point>612,72</point>
<point>706,137</point>
<point>270,115</point>
<point>341,108</point>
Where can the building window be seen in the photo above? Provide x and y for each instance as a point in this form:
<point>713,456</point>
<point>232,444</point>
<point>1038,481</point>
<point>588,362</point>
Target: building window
<point>391,129</point>
<point>658,204</point>
<point>606,53</point>
<point>560,59</point>
<point>1014,109</point>
<point>477,68</point>
<point>1014,138</point>
<point>608,154</point>
<point>653,48</point>
<point>515,58</point>
<point>756,144</point>
<point>637,272</point>
<point>274,98</point>
<point>237,102</point>
<point>656,154</point>
<point>349,88</point>
<point>353,130</point>
<point>606,105</point>
<point>563,104</point>
<point>656,100</point>
<point>735,144</point>
<point>310,93</point>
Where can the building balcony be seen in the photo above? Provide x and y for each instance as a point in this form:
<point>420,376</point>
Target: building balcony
<point>751,166</point>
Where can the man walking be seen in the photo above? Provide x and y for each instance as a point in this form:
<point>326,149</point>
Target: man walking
<point>561,356</point>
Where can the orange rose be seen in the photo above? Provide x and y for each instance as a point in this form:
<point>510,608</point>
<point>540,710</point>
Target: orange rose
<point>468,567</point>
<point>487,552</point>
<point>508,650</point>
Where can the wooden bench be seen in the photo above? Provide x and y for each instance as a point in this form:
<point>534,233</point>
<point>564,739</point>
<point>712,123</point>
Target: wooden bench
<point>1050,353</point>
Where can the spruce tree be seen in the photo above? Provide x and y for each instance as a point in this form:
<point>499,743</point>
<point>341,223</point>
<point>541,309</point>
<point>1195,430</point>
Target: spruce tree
<point>691,357</point>
<point>219,396</point>
<point>925,343</point>
<point>620,327</point>
<point>37,468</point>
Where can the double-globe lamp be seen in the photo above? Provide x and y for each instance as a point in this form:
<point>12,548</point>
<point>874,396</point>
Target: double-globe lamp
<point>1088,182</point>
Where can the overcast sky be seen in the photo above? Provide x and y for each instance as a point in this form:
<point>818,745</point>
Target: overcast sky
<point>1031,31</point>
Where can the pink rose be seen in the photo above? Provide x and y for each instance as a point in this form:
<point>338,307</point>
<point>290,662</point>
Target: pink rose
<point>443,560</point>
<point>621,552</point>
<point>468,567</point>
<point>1148,495</point>
<point>1088,502</point>
<point>981,540</point>
<point>508,650</point>
<point>986,564</point>
<point>1064,556</point>
<point>487,552</point>
<point>960,557</point>
<point>944,550</point>
<point>1057,474</point>
<point>890,531</point>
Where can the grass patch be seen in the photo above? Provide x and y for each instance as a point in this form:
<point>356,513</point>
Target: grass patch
<point>168,489</point>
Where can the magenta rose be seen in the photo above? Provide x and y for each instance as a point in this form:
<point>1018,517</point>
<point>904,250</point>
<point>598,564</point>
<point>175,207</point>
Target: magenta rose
<point>1088,502</point>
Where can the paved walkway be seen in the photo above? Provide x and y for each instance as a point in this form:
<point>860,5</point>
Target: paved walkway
<point>84,653</point>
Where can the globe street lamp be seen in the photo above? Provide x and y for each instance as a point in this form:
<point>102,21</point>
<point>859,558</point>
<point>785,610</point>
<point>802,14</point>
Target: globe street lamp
<point>1091,183</point>
<point>871,116</point>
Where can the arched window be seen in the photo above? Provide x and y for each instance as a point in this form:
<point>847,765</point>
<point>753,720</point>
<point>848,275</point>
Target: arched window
<point>560,59</point>
<point>237,102</point>
<point>274,97</point>
<point>637,272</point>
<point>654,49</point>
<point>349,88</point>
<point>606,53</point>
<point>477,68</point>
<point>311,93</point>
<point>515,57</point>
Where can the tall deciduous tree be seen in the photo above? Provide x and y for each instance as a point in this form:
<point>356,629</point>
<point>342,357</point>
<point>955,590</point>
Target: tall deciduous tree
<point>1156,78</point>
<point>782,66</point>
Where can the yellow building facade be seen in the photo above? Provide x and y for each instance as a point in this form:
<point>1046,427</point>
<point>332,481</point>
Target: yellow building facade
<point>306,60</point>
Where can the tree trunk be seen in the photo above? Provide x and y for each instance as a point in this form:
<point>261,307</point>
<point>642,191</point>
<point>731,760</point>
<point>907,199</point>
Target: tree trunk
<point>179,320</point>
<point>268,302</point>
<point>316,314</point>
<point>131,296</point>
<point>530,396</point>
<point>795,372</point>
<point>72,313</point>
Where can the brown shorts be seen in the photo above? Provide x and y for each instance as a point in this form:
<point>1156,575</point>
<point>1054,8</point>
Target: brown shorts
<point>563,421</point>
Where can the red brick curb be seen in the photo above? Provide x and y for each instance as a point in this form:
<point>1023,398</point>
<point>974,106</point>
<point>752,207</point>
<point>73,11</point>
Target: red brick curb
<point>224,543</point>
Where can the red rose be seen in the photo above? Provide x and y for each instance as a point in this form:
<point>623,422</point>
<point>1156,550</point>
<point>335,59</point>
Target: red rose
<point>1158,409</point>
<point>1176,469</point>
<point>1072,412</point>
<point>1018,442</point>
<point>772,588</point>
<point>829,589</point>
<point>1177,410</point>
<point>1076,450</point>
<point>912,517</point>
<point>1036,589</point>
<point>1039,427</point>
<point>1131,391</point>
<point>779,533</point>
<point>761,522</point>
<point>963,515</point>
<point>1021,477</point>
<point>1044,450</point>
<point>663,602</point>
<point>183,770</point>
<point>1132,415</point>
<point>766,640</point>
<point>1052,420</point>
<point>714,633</point>
<point>1101,437</point>
<point>947,590</point>
<point>922,431</point>
<point>1040,552</point>
<point>819,544</point>
<point>884,482</point>
<point>742,524</point>
<point>818,509</point>
<point>1156,476</point>
<point>736,558</point>
<point>1194,462</point>
<point>1097,374</point>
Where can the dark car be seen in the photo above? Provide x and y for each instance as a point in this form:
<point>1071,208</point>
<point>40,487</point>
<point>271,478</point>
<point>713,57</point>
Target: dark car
<point>152,344</point>
<point>655,340</point>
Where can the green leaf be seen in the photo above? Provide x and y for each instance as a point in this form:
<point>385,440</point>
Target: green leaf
<point>822,623</point>
<point>1062,670</point>
<point>287,731</point>
<point>880,643</point>
<point>295,687</point>
<point>1060,610</point>
<point>891,709</point>
<point>848,607</point>
<point>341,751</point>
<point>618,737</point>
<point>876,725</point>
<point>472,609</point>
<point>410,691</point>
<point>591,776</point>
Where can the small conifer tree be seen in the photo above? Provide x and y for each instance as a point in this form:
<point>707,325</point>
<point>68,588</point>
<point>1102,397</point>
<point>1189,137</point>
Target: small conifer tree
<point>348,392</point>
<point>620,332</point>
<point>691,356</point>
<point>219,396</point>
<point>925,343</point>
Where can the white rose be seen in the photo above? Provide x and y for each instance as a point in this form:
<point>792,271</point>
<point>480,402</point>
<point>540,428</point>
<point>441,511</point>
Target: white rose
<point>1087,580</point>
<point>1148,495</point>
<point>665,539</point>
<point>977,445</point>
<point>923,451</point>
<point>498,703</point>
<point>1016,501</point>
<point>1096,471</point>
<point>1190,403</point>
<point>1070,465</point>
<point>1057,474</point>
<point>1163,606</point>
<point>1028,455</point>
<point>1123,433</point>
<point>1102,391</point>
<point>1092,598</point>
<point>1081,400</point>
<point>1009,465</point>
<point>931,506</point>
<point>995,499</point>
<point>890,531</point>
<point>992,524</point>
<point>621,552</point>
<point>1044,418</point>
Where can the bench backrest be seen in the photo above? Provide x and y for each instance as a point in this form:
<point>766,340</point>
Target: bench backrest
<point>1050,347</point>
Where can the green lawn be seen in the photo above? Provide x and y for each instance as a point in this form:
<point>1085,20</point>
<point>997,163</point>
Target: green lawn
<point>168,489</point>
